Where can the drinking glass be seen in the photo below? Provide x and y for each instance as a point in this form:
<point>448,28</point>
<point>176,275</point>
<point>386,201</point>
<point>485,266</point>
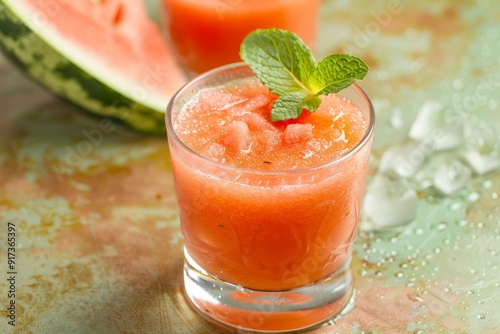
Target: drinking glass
<point>207,33</point>
<point>267,250</point>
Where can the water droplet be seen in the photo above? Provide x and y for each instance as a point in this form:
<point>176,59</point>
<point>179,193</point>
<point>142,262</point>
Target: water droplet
<point>473,197</point>
<point>455,206</point>
<point>481,316</point>
<point>442,226</point>
<point>399,274</point>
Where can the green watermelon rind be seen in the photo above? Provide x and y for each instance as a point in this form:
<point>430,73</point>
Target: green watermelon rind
<point>69,81</point>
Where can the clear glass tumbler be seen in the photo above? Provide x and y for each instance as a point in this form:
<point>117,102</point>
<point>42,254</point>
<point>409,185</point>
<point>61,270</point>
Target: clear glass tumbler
<point>267,251</point>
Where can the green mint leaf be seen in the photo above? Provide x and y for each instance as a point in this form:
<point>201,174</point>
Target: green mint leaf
<point>284,64</point>
<point>288,106</point>
<point>311,103</point>
<point>291,105</point>
<point>337,72</point>
<point>279,59</point>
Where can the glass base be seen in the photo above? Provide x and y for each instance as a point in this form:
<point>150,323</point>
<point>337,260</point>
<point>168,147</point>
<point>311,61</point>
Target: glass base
<point>267,311</point>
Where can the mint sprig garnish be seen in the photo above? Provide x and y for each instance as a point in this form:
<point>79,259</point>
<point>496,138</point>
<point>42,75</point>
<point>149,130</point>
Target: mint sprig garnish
<point>284,64</point>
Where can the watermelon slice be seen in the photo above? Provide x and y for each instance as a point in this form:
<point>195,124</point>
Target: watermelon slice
<point>105,56</point>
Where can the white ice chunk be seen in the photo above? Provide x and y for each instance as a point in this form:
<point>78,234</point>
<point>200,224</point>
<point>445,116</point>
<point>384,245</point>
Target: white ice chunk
<point>451,177</point>
<point>396,119</point>
<point>444,128</point>
<point>406,159</point>
<point>482,149</point>
<point>480,163</point>
<point>390,202</point>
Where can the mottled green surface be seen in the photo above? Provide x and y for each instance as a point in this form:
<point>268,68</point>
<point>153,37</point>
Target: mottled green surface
<point>99,247</point>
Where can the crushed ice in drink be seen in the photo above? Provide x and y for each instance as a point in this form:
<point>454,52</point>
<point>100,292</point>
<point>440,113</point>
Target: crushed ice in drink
<point>238,137</point>
<point>297,133</point>
<point>482,149</point>
<point>390,201</point>
<point>451,177</point>
<point>219,99</point>
<point>269,139</point>
<point>237,116</point>
<point>257,122</point>
<point>406,159</point>
<point>213,151</point>
<point>441,126</point>
<point>256,102</point>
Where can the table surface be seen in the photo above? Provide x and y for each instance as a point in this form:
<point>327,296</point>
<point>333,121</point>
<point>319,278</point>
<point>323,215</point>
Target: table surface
<point>99,248</point>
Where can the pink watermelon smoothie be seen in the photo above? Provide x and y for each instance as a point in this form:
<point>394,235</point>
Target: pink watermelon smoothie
<point>268,205</point>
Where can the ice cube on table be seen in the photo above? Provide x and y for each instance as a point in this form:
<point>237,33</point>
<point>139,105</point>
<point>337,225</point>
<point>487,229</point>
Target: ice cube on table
<point>482,149</point>
<point>451,177</point>
<point>390,202</point>
<point>442,127</point>
<point>406,159</point>
<point>482,164</point>
<point>396,119</point>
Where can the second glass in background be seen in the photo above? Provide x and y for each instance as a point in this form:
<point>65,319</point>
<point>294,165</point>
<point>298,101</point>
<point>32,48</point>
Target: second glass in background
<point>207,33</point>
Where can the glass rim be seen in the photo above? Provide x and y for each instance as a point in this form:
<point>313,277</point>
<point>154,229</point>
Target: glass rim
<point>211,73</point>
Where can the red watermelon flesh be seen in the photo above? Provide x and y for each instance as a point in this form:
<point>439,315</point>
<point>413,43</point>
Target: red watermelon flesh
<point>113,40</point>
